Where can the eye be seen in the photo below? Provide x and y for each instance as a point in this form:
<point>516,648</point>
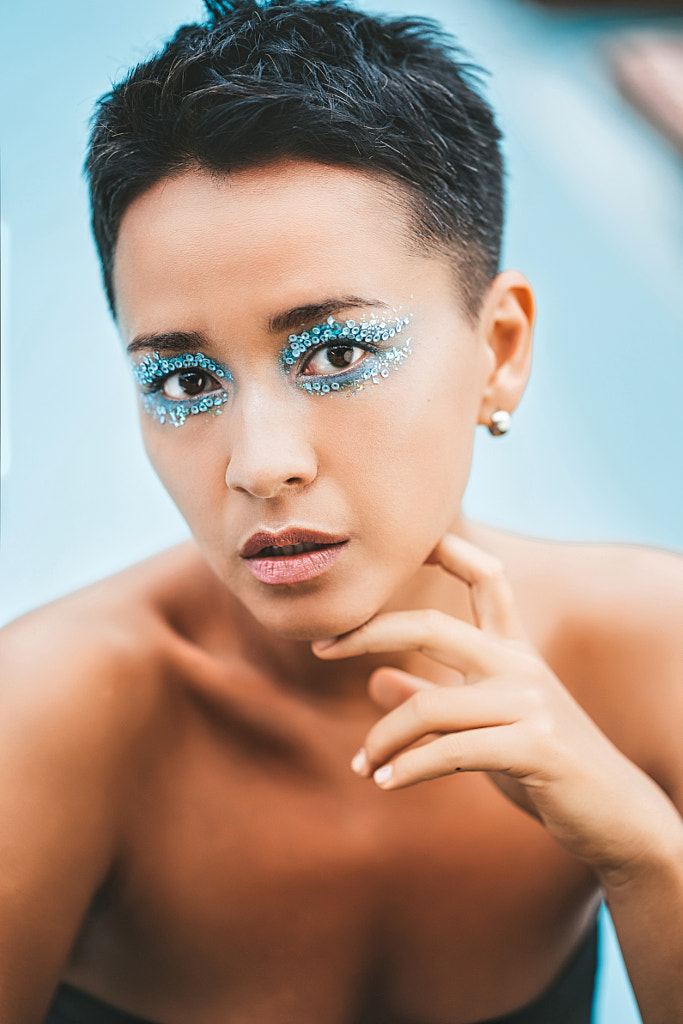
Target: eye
<point>188,384</point>
<point>333,358</point>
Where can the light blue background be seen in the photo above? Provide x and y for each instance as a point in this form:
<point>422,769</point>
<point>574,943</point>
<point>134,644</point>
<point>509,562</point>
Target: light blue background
<point>595,220</point>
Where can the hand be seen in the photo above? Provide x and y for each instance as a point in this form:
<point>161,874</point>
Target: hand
<point>515,719</point>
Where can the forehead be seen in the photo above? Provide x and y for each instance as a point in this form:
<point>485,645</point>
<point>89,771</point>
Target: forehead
<point>264,237</point>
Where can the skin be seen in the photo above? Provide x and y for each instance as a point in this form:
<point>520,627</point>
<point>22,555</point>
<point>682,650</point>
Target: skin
<point>371,499</point>
<point>183,748</point>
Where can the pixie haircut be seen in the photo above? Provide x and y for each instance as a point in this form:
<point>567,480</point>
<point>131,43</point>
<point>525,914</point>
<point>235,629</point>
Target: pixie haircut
<point>315,81</point>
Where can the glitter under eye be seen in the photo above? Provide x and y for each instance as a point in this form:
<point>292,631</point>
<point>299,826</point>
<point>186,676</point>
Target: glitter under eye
<point>373,336</point>
<point>151,373</point>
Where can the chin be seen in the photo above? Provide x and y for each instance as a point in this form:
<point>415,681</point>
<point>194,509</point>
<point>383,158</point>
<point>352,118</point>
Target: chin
<point>314,617</point>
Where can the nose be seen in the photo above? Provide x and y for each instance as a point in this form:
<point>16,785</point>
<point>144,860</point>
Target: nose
<point>269,452</point>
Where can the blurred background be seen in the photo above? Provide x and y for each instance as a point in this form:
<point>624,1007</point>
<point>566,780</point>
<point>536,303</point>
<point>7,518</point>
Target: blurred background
<point>595,219</point>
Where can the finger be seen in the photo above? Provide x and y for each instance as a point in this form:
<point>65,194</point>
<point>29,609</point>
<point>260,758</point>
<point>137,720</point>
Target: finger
<point>390,686</point>
<point>443,709</point>
<point>493,600</point>
<point>495,749</point>
<point>437,635</point>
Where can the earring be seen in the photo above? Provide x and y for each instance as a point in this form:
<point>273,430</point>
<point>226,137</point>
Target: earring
<point>501,421</point>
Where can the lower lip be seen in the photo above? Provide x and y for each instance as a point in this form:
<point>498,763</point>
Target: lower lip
<point>294,568</point>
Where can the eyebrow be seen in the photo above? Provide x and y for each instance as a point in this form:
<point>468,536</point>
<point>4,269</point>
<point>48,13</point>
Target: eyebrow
<point>288,320</point>
<point>299,316</point>
<point>169,341</point>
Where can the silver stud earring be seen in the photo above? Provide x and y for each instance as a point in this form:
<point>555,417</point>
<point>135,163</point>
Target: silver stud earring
<point>501,422</point>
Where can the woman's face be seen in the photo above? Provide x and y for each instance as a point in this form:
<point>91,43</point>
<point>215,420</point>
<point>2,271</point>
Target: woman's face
<point>228,269</point>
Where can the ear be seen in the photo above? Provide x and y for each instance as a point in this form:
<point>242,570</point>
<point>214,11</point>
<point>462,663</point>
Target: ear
<point>505,326</point>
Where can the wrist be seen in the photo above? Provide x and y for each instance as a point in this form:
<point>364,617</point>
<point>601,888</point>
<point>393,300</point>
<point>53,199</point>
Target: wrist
<point>652,857</point>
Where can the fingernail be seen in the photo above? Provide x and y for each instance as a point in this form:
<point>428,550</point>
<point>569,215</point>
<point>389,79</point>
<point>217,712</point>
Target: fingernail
<point>359,762</point>
<point>383,774</point>
<point>321,645</point>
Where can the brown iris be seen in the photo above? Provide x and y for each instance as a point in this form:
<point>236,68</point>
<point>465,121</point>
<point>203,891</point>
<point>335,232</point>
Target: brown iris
<point>192,382</point>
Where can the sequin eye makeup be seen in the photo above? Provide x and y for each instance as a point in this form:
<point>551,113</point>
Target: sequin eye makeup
<point>346,356</point>
<point>186,385</point>
<point>328,358</point>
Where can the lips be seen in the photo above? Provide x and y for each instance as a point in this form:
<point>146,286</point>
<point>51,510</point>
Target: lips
<point>292,555</point>
<point>292,537</point>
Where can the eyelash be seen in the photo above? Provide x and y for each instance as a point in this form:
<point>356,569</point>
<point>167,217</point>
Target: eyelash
<point>370,335</point>
<point>152,372</point>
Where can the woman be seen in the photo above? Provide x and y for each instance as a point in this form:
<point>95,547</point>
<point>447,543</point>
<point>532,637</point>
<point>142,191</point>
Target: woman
<point>298,212</point>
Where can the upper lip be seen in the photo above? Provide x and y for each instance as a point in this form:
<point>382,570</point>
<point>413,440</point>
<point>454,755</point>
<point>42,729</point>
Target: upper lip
<point>287,536</point>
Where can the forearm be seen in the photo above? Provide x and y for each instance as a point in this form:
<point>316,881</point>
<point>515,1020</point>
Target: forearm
<point>645,901</point>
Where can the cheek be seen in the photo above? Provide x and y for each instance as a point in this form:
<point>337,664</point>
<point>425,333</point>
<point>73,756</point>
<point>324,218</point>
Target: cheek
<point>427,476</point>
<point>431,434</point>
<point>187,460</point>
<point>408,455</point>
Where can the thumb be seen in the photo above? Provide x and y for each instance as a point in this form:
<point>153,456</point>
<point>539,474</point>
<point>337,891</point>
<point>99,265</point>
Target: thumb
<point>389,687</point>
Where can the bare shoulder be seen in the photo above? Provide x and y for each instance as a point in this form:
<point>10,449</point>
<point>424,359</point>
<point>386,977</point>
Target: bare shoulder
<point>82,696</point>
<point>93,661</point>
<point>607,587</point>
<point>616,582</point>
<point>607,592</point>
<point>610,618</point>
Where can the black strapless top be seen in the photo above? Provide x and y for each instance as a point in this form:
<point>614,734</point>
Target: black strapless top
<point>567,1000</point>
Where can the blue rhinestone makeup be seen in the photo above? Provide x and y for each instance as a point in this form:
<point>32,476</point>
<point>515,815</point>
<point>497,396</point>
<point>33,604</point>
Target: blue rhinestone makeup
<point>369,336</point>
<point>153,372</point>
<point>373,342</point>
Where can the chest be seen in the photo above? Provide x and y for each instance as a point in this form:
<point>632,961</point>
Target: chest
<point>286,874</point>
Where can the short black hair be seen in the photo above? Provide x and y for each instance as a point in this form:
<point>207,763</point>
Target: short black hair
<point>310,80</point>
